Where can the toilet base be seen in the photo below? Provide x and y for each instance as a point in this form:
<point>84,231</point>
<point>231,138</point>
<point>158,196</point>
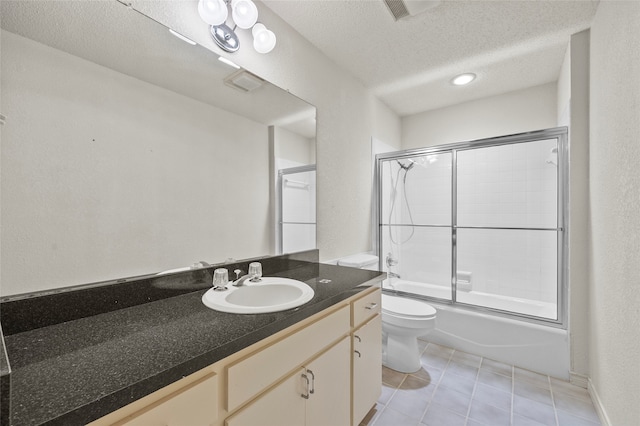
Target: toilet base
<point>401,353</point>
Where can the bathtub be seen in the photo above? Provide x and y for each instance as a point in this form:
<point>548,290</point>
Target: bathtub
<point>535,347</point>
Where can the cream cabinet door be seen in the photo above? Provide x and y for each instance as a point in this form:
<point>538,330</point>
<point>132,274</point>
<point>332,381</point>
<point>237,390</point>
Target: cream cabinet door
<point>196,405</point>
<point>367,367</point>
<point>316,395</point>
<point>284,405</point>
<point>329,395</point>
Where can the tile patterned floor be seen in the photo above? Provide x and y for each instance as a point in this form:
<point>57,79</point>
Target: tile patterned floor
<point>455,388</point>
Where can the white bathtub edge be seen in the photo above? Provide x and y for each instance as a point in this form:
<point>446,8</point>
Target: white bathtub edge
<point>534,347</point>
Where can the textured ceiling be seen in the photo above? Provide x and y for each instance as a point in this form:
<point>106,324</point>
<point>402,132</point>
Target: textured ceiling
<point>408,64</point>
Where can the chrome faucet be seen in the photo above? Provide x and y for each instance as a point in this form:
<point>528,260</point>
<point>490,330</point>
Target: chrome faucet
<point>240,280</point>
<point>254,275</point>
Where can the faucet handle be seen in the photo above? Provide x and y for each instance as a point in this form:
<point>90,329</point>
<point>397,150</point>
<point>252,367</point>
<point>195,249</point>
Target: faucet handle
<point>220,279</point>
<point>255,271</point>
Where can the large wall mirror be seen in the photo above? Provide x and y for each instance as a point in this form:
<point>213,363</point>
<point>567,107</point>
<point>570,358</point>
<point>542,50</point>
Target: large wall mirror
<point>127,151</point>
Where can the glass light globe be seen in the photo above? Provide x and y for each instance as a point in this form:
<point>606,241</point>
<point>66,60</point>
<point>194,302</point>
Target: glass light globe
<point>263,40</point>
<point>244,12</point>
<point>213,12</point>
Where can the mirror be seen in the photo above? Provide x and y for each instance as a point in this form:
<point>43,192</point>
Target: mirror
<point>127,151</point>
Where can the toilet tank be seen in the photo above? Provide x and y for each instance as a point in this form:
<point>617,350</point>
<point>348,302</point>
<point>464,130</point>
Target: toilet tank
<point>361,261</point>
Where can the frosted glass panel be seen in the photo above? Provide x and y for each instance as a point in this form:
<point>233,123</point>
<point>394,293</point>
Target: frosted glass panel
<point>299,197</point>
<point>503,251</point>
<point>298,210</point>
<point>511,270</point>
<point>298,237</point>
<point>423,257</point>
<point>417,190</point>
<point>508,185</point>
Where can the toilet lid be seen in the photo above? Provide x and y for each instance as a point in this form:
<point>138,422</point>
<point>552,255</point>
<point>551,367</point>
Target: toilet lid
<point>406,307</point>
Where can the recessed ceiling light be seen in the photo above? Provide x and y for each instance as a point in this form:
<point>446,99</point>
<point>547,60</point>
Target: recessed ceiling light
<point>463,79</point>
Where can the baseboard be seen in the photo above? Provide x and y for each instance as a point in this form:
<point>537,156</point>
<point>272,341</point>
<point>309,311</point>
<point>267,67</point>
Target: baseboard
<point>597,403</point>
<point>579,380</point>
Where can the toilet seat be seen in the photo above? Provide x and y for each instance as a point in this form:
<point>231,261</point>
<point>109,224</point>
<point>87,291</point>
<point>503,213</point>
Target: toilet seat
<point>402,307</point>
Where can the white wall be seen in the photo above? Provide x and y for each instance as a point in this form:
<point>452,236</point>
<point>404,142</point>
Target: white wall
<point>578,114</point>
<point>348,115</point>
<point>123,139</point>
<point>513,112</point>
<point>614,296</point>
<point>564,89</point>
<point>293,149</point>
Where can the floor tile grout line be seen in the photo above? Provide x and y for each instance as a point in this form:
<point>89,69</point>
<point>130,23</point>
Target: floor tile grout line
<point>435,389</point>
<point>553,402</point>
<point>473,393</point>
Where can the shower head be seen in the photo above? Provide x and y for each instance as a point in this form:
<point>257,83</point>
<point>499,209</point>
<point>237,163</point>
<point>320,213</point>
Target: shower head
<point>406,167</point>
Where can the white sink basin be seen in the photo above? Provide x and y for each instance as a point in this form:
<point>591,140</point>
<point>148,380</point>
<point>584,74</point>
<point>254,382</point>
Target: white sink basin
<point>270,294</point>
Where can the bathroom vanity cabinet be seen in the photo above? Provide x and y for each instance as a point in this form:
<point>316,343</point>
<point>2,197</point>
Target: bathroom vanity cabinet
<point>367,358</point>
<point>325,370</point>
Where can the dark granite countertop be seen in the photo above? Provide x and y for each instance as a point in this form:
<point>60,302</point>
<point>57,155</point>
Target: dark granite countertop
<point>5,387</point>
<point>77,371</point>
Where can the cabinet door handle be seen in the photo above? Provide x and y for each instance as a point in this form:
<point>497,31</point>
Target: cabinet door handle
<point>313,381</point>
<point>359,354</point>
<point>355,336</point>
<point>306,395</point>
<point>372,305</point>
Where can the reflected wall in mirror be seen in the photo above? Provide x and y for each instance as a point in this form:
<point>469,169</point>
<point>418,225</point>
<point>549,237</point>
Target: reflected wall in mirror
<point>125,152</point>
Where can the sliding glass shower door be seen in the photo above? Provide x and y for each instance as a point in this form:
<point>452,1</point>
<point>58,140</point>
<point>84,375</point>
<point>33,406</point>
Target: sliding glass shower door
<point>491,210</point>
<point>416,222</point>
<point>507,227</point>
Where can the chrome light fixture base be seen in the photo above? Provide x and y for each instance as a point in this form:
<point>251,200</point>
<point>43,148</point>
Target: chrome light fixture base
<point>225,37</point>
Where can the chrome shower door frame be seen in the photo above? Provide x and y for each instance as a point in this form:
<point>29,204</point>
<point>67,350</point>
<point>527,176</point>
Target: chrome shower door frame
<point>561,135</point>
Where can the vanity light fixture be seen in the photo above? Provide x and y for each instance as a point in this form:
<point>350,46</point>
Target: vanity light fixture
<point>463,79</point>
<point>244,14</point>
<point>183,38</point>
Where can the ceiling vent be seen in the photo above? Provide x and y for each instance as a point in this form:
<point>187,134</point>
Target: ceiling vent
<point>244,81</point>
<point>397,8</point>
<point>404,9</point>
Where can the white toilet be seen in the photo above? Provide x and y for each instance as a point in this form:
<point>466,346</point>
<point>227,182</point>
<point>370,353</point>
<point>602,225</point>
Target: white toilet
<point>403,321</point>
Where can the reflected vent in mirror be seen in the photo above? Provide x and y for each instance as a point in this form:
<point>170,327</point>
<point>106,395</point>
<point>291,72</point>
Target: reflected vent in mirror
<point>397,8</point>
<point>401,9</point>
<point>244,81</point>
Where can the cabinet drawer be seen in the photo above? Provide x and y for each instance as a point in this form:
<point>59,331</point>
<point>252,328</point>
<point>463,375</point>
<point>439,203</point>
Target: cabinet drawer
<point>195,404</point>
<point>366,307</point>
<point>249,376</point>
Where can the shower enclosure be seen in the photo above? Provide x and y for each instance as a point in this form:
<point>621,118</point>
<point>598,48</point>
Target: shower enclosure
<point>296,210</point>
<point>480,224</point>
